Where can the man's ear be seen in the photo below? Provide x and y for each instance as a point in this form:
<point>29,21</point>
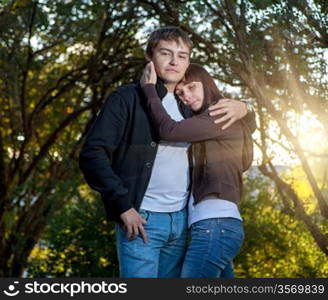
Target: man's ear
<point>147,57</point>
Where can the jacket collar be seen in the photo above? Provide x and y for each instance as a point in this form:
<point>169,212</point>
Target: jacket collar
<point>160,88</point>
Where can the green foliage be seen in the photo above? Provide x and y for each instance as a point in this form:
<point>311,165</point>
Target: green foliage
<point>78,242</point>
<point>276,244</point>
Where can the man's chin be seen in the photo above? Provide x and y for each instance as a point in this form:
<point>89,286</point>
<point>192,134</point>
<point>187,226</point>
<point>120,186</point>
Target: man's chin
<point>171,79</point>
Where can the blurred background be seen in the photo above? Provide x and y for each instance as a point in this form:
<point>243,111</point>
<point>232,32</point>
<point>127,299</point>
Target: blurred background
<point>60,60</point>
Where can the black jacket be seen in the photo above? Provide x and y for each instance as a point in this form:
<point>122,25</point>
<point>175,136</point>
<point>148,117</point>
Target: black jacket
<point>120,149</point>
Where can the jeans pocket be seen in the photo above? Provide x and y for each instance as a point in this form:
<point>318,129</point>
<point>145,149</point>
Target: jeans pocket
<point>231,228</point>
<point>203,227</point>
<point>145,214</point>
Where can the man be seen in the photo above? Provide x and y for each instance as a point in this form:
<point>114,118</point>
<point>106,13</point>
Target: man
<point>144,182</point>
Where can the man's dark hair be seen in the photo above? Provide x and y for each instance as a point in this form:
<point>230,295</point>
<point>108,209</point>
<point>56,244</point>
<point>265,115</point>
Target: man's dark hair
<point>168,33</point>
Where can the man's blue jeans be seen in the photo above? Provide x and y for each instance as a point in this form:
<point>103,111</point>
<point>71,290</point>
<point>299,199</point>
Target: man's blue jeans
<point>214,244</point>
<point>163,255</point>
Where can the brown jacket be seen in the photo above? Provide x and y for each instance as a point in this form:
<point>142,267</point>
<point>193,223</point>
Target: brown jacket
<point>220,156</point>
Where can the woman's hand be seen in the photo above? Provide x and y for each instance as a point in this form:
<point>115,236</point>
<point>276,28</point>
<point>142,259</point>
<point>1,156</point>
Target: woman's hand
<point>149,75</point>
<point>233,109</point>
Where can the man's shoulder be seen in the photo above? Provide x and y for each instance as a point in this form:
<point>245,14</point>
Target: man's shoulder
<point>128,91</point>
<point>124,97</point>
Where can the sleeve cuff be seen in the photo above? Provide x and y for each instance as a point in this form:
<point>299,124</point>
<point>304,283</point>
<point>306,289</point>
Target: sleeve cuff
<point>119,203</point>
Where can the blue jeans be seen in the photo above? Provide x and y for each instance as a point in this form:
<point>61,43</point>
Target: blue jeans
<point>214,244</point>
<point>162,256</point>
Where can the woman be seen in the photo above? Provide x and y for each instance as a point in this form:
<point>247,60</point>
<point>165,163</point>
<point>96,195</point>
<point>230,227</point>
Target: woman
<point>219,159</point>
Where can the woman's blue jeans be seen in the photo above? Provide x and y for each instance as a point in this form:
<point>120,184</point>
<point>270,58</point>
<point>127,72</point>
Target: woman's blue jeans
<point>214,244</point>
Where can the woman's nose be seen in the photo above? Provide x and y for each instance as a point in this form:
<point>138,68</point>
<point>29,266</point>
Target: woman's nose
<point>187,98</point>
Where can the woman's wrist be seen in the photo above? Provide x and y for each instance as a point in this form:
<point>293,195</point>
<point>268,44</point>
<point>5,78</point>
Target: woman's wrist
<point>149,90</point>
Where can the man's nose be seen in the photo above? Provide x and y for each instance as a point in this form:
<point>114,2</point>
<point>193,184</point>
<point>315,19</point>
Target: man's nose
<point>173,60</point>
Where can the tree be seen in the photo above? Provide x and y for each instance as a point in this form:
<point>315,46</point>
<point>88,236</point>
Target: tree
<point>58,63</point>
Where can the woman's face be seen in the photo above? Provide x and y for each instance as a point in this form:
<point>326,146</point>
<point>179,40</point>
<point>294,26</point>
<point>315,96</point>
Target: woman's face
<point>191,94</point>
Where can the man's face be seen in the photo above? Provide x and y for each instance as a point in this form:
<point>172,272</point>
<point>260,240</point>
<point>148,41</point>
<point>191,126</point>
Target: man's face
<point>171,60</point>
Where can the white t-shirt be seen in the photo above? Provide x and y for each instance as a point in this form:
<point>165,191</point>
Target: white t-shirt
<point>167,189</point>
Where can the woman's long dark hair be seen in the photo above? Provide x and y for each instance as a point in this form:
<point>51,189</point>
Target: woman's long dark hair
<point>196,72</point>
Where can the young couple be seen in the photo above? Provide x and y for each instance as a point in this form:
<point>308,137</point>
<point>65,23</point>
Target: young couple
<point>162,164</point>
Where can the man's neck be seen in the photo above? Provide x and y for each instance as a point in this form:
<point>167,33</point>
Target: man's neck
<point>170,87</point>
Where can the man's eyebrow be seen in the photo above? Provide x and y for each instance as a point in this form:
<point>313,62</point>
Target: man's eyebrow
<point>169,50</point>
<point>166,49</point>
